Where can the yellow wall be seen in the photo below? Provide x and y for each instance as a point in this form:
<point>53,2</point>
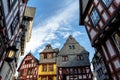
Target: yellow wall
<point>40,72</point>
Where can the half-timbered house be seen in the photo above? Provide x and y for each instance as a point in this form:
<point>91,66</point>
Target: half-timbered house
<point>99,67</point>
<point>11,14</point>
<point>28,69</point>
<point>102,22</point>
<point>47,67</point>
<point>73,62</point>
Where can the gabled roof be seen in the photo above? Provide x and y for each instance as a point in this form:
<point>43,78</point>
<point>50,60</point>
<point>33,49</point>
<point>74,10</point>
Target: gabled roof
<point>72,49</point>
<point>49,48</point>
<point>29,54</point>
<point>69,42</point>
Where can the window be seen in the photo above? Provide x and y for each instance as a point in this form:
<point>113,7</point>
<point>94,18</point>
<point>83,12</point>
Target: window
<point>51,67</point>
<point>75,71</point>
<point>71,70</point>
<point>100,72</point>
<point>94,16</point>
<point>116,38</point>
<point>79,57</point>
<point>21,73</point>
<point>50,78</point>
<point>107,2</point>
<point>44,78</point>
<point>83,70</point>
<point>50,56</point>
<point>44,68</point>
<point>67,71</point>
<point>14,24</point>
<point>45,56</point>
<point>71,47</point>
<point>79,70</point>
<point>28,61</point>
<point>29,71</point>
<point>64,58</point>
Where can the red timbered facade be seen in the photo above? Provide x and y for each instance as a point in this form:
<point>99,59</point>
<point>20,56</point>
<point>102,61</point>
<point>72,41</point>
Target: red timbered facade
<point>28,69</point>
<point>102,22</point>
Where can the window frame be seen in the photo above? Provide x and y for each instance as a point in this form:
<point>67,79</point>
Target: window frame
<point>45,56</point>
<point>94,16</point>
<point>44,67</point>
<point>51,67</point>
<point>14,23</point>
<point>79,57</point>
<point>71,46</point>
<point>107,3</point>
<point>65,58</point>
<point>29,71</point>
<point>115,41</point>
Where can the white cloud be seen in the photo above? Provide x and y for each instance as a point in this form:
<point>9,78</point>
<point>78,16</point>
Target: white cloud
<point>45,32</point>
<point>65,34</point>
<point>40,49</point>
<point>56,45</point>
<point>50,37</point>
<point>77,33</point>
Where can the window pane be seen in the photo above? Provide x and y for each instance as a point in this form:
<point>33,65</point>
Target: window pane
<point>79,57</point>
<point>64,58</point>
<point>50,67</point>
<point>107,2</point>
<point>44,68</point>
<point>116,38</point>
<point>45,56</point>
<point>94,17</point>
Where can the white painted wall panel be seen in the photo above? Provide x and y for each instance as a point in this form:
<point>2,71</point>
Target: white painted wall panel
<point>92,33</point>
<point>105,17</point>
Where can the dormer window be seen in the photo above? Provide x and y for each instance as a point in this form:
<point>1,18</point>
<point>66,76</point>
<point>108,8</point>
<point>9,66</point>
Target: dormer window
<point>107,2</point>
<point>94,17</point>
<point>71,47</point>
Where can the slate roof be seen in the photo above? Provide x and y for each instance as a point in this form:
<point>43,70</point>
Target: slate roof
<point>71,41</point>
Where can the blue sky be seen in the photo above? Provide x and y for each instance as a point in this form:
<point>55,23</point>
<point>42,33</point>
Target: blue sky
<point>54,21</point>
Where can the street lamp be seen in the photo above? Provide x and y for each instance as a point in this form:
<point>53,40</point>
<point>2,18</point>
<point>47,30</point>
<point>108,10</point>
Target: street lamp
<point>11,54</point>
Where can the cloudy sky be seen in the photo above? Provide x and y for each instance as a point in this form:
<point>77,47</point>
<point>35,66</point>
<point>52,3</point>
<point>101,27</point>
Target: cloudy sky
<point>54,21</point>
